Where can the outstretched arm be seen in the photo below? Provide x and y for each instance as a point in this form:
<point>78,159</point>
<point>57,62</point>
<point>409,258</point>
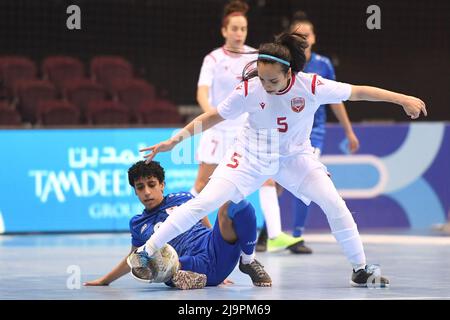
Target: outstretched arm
<point>412,105</point>
<point>198,125</point>
<point>120,270</point>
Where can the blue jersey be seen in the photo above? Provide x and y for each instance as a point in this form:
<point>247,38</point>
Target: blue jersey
<point>143,225</point>
<point>200,249</point>
<point>322,66</point>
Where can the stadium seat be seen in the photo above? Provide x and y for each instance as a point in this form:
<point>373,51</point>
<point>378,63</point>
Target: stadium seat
<point>82,91</point>
<point>28,93</point>
<point>105,112</point>
<point>8,115</point>
<point>133,91</point>
<point>13,69</point>
<point>107,69</point>
<point>57,112</point>
<point>62,69</point>
<point>160,111</point>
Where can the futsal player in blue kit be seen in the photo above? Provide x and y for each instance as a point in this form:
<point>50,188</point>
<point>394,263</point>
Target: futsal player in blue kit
<point>322,66</point>
<point>206,256</point>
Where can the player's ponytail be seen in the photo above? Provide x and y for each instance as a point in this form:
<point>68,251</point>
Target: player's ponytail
<point>296,45</point>
<point>288,50</point>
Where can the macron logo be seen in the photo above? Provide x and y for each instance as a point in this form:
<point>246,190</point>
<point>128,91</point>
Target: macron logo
<point>262,104</point>
<point>143,228</point>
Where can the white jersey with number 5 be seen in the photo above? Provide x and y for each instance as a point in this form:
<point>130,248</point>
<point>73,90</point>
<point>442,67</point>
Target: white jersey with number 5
<point>280,124</point>
<point>275,142</point>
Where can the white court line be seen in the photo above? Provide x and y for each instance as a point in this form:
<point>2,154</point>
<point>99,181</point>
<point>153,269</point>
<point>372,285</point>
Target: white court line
<point>386,239</point>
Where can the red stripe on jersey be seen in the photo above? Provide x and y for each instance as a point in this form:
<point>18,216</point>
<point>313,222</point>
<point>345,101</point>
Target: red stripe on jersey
<point>245,88</point>
<point>289,86</point>
<point>210,55</point>
<point>313,84</point>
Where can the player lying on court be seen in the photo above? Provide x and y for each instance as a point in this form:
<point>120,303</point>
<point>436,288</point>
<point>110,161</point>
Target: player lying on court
<point>281,102</point>
<point>203,257</point>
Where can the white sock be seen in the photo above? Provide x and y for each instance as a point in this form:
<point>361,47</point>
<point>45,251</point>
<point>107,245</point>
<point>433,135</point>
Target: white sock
<point>318,187</point>
<point>149,247</point>
<point>247,258</point>
<point>268,199</point>
<point>194,192</point>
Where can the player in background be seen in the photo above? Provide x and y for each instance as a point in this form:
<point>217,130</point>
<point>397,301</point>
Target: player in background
<point>322,66</point>
<point>221,71</point>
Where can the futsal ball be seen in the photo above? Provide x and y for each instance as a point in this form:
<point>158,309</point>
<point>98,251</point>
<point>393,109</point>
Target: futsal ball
<point>164,264</point>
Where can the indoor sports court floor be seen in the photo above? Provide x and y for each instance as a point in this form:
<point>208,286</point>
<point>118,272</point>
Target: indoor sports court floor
<point>36,267</point>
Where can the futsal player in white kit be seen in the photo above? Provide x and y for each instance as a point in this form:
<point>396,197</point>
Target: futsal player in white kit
<point>281,102</point>
<point>221,71</point>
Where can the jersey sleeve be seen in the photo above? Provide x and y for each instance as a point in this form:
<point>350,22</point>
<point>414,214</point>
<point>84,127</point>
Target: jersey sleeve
<point>329,91</point>
<point>135,240</point>
<point>234,105</point>
<point>207,71</point>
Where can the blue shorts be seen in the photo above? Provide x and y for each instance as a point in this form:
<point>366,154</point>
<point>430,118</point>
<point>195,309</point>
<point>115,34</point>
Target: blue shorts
<point>216,258</point>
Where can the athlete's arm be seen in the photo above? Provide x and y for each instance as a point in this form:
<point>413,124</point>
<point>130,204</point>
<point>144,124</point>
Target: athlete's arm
<point>202,98</point>
<point>342,116</point>
<point>120,270</point>
<point>198,125</point>
<point>412,105</point>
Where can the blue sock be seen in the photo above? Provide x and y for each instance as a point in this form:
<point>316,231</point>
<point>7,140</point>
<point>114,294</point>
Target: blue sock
<point>300,213</point>
<point>244,223</point>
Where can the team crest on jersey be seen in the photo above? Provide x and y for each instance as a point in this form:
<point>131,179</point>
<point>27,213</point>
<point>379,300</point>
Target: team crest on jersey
<point>297,104</point>
<point>262,104</point>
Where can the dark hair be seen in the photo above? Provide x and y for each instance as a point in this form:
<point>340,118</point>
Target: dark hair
<point>142,170</point>
<point>300,17</point>
<point>288,46</point>
<point>234,7</point>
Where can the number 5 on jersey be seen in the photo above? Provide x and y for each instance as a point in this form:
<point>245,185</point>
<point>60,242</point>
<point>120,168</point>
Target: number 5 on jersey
<point>281,121</point>
<point>234,160</point>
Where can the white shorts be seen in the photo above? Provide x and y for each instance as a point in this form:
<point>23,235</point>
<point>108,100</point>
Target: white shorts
<point>248,173</point>
<point>214,144</point>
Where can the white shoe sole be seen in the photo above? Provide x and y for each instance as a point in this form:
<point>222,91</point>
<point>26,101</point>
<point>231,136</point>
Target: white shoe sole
<point>364,285</point>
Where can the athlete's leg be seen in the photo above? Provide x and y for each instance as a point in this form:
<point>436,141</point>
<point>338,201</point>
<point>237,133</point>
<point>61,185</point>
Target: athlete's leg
<point>238,225</point>
<point>318,187</point>
<point>270,208</point>
<point>205,171</point>
<point>277,239</point>
<point>300,209</point>
<point>216,193</point>
<point>261,243</point>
